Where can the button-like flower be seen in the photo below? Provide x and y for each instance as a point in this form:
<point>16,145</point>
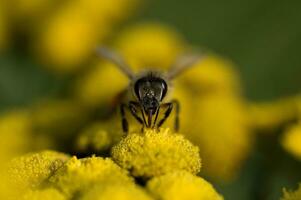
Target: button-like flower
<point>155,153</point>
<point>78,175</point>
<point>30,171</point>
<point>182,185</point>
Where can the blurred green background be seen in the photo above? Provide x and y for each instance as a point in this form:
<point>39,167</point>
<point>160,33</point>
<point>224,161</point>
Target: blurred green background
<point>263,38</point>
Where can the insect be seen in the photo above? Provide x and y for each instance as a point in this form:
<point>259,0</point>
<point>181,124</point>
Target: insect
<point>149,91</point>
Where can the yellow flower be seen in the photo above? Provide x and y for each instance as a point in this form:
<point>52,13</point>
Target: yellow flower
<point>115,191</point>
<point>45,194</point>
<point>101,85</point>
<point>155,153</point>
<point>150,45</point>
<point>78,175</point>
<point>100,136</point>
<point>219,127</point>
<point>31,170</point>
<point>296,195</point>
<point>182,185</point>
<point>291,140</point>
<point>70,36</point>
<point>271,115</point>
<point>67,40</point>
<point>211,75</point>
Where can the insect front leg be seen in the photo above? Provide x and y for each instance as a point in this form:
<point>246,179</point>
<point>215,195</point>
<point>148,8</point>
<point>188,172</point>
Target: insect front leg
<point>133,107</point>
<point>166,113</point>
<point>173,104</point>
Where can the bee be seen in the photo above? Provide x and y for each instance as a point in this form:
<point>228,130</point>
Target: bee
<point>149,91</point>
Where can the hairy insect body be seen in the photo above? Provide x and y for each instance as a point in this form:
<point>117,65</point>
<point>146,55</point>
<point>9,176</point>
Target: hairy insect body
<point>149,93</point>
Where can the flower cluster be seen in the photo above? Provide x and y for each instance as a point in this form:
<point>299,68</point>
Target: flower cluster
<point>218,125</point>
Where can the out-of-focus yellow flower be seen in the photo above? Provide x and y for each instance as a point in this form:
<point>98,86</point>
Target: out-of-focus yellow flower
<point>32,170</point>
<point>70,36</point>
<point>155,153</point>
<point>182,185</point>
<point>291,140</point>
<point>78,175</point>
<point>67,40</point>
<point>271,115</point>
<point>100,136</point>
<point>45,194</point>
<point>101,85</point>
<point>211,75</point>
<point>150,45</point>
<point>220,128</point>
<point>116,191</point>
<point>296,195</point>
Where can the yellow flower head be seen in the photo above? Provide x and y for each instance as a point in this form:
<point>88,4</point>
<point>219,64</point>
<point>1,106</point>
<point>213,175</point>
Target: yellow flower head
<point>66,41</point>
<point>101,85</point>
<point>31,170</point>
<point>181,185</point>
<point>100,136</point>
<point>69,37</point>
<point>150,45</point>
<point>115,191</point>
<point>220,128</point>
<point>155,153</point>
<point>296,195</point>
<point>291,140</point>
<point>45,194</point>
<point>78,175</point>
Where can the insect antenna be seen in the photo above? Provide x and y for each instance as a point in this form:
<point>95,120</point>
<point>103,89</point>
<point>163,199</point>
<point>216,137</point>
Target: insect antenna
<point>182,63</point>
<point>116,59</point>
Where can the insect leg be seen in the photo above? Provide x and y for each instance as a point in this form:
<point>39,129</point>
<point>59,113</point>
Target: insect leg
<point>133,108</point>
<point>166,114</point>
<point>157,113</point>
<point>125,124</point>
<point>177,109</point>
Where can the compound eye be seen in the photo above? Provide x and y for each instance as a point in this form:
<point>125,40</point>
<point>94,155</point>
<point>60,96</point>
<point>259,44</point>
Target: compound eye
<point>160,89</point>
<point>140,88</point>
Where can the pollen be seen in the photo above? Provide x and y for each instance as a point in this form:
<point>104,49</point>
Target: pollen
<point>30,171</point>
<point>155,153</point>
<point>78,175</point>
